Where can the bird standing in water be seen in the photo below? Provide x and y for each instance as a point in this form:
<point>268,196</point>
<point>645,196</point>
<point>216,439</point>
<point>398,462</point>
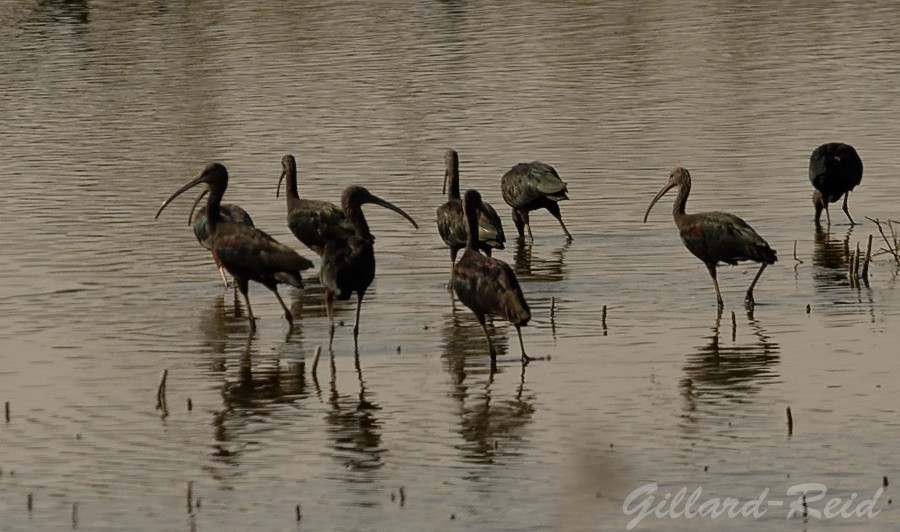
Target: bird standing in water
<point>530,186</point>
<point>348,265</point>
<point>229,212</point>
<point>487,285</point>
<point>715,237</point>
<point>451,219</point>
<point>313,222</point>
<point>246,252</point>
<point>834,170</point>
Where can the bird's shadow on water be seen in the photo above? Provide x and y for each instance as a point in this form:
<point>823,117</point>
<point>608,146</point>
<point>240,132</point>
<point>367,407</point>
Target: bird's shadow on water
<point>728,370</point>
<point>490,424</point>
<point>832,254</point>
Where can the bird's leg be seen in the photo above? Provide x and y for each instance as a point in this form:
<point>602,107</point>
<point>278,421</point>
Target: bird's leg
<point>847,212</point>
<point>488,338</point>
<point>527,220</point>
<point>712,273</point>
<point>525,358</point>
<point>749,298</point>
<point>827,215</point>
<point>359,298</point>
<point>566,231</point>
<point>224,279</point>
<point>287,313</point>
<point>243,286</point>
<point>330,312</point>
<point>453,252</point>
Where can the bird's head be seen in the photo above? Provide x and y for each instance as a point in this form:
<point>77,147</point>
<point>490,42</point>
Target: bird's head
<point>288,168</point>
<point>215,176</point>
<point>679,177</point>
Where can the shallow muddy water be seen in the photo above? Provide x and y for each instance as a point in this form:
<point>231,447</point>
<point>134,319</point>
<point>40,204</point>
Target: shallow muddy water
<point>109,106</point>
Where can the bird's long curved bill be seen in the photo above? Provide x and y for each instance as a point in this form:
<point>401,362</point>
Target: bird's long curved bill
<point>194,206</point>
<point>280,179</point>
<point>192,183</point>
<point>661,193</point>
<point>446,178</point>
<point>391,206</point>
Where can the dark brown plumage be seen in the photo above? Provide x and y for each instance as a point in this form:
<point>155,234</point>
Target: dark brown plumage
<point>487,285</point>
<point>348,265</point>
<point>530,186</point>
<point>451,220</point>
<point>834,170</point>
<point>715,237</point>
<point>246,252</point>
<point>313,222</point>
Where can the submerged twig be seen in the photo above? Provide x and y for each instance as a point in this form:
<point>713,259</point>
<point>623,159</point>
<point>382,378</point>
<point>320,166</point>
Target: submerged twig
<point>161,391</point>
<point>891,248</point>
<point>865,270</point>
<point>795,253</point>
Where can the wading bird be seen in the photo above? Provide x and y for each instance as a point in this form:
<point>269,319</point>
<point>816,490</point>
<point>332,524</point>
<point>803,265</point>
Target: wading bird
<point>348,265</point>
<point>313,222</point>
<point>834,170</point>
<point>229,212</point>
<point>487,285</point>
<point>451,220</point>
<point>530,186</point>
<point>715,237</point>
<point>246,252</point>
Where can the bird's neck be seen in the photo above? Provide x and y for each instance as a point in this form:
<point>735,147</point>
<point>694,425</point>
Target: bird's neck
<point>472,222</point>
<point>680,202</point>
<point>213,202</point>
<point>356,218</point>
<point>452,178</point>
<point>292,186</point>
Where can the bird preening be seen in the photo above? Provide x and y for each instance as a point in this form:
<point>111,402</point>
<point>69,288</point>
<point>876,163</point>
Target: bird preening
<point>488,285</point>
<point>530,186</point>
<point>834,170</point>
<point>247,253</point>
<point>715,237</point>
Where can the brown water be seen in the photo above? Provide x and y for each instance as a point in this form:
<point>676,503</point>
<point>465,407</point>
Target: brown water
<point>108,106</point>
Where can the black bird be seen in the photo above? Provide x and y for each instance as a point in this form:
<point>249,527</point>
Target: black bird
<point>451,219</point>
<point>530,186</point>
<point>348,265</point>
<point>229,212</point>
<point>246,252</point>
<point>715,237</point>
<point>488,285</point>
<point>834,170</point>
<point>313,222</point>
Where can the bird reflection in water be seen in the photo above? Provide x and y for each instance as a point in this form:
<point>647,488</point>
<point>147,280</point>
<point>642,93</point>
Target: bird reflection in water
<point>491,426</point>
<point>721,373</point>
<point>831,259</point>
<point>529,269</point>
<point>249,400</point>
<point>352,424</point>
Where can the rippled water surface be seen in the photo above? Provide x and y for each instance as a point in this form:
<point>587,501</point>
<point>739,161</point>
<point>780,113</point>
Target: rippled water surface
<point>109,106</point>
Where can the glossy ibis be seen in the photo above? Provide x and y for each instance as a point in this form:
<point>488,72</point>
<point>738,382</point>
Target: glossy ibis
<point>715,237</point>
<point>230,212</point>
<point>246,252</point>
<point>348,265</point>
<point>834,170</point>
<point>313,222</point>
<point>488,285</point>
<point>451,219</point>
<point>530,186</point>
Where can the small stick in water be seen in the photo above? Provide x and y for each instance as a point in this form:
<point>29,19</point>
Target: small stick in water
<point>297,511</point>
<point>790,421</point>
<point>316,358</point>
<point>552,306</point>
<point>6,408</point>
<point>29,502</point>
<point>603,320</point>
<point>884,481</point>
<point>892,249</point>
<point>402,496</point>
<point>795,253</point>
<point>865,270</point>
<point>161,391</point>
<point>190,404</point>
<point>190,496</point>
<point>808,308</point>
<point>74,515</point>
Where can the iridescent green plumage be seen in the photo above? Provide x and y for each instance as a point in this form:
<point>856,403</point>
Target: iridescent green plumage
<point>530,186</point>
<point>487,285</point>
<point>451,220</point>
<point>228,212</point>
<point>313,222</point>
<point>715,237</point>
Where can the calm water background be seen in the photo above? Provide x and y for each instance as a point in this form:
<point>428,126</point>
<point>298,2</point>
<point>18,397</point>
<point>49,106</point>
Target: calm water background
<point>108,106</point>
